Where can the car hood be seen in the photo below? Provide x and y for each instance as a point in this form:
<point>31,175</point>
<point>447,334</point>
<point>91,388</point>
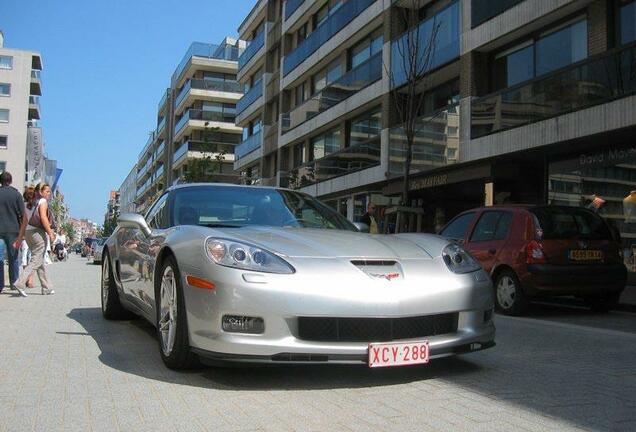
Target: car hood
<point>325,243</point>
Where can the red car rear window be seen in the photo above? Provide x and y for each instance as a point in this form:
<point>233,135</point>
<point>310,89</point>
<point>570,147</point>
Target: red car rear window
<point>568,222</point>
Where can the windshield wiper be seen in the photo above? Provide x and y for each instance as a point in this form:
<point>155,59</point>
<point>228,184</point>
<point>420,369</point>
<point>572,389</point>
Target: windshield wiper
<point>221,225</point>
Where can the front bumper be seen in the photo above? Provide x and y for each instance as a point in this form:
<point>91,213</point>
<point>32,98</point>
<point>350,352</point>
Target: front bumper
<point>329,291</point>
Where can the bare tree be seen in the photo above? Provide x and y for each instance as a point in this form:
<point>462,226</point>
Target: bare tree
<point>414,57</point>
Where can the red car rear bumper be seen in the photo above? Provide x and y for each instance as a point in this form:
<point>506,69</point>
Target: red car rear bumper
<point>547,279</point>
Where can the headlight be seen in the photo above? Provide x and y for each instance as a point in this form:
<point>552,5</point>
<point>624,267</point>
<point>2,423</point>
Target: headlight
<point>245,257</point>
<point>458,260</point>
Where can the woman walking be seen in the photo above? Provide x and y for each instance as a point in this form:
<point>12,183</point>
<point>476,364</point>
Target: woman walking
<point>37,229</point>
<point>25,253</point>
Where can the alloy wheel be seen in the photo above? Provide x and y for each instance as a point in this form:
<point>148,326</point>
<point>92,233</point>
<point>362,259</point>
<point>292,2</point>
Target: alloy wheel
<point>105,283</point>
<point>168,311</point>
<point>506,292</point>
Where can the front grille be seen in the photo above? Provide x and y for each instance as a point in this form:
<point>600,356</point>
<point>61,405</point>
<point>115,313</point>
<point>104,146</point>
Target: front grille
<point>375,329</point>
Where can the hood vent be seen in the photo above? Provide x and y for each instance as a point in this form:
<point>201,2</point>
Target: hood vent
<point>380,269</point>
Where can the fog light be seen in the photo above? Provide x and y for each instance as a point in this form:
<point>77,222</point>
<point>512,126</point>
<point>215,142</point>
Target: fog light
<point>243,324</point>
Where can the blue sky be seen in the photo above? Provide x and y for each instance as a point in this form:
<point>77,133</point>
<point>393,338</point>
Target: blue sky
<point>106,65</point>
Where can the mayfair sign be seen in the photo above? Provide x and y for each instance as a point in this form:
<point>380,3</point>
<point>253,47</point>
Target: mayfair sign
<point>429,182</point>
<point>611,156</point>
<point>35,154</point>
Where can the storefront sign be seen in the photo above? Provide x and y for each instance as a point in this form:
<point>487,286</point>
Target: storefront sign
<point>428,182</point>
<point>611,156</point>
<point>35,154</point>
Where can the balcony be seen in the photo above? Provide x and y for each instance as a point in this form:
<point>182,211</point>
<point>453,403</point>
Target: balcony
<point>161,126</point>
<point>436,142</point>
<point>446,45</point>
<point>291,6</point>
<point>144,170</point>
<point>483,10</point>
<point>274,34</point>
<point>255,45</point>
<point>208,51</point>
<point>179,154</point>
<point>162,102</point>
<point>151,139</point>
<point>209,85</point>
<point>159,151</point>
<point>270,138</point>
<point>195,114</point>
<point>347,85</point>
<point>202,147</point>
<point>250,97</point>
<point>332,25</point>
<point>248,146</point>
<point>34,108</point>
<point>343,162</point>
<point>36,83</point>
<point>158,175</point>
<point>591,82</point>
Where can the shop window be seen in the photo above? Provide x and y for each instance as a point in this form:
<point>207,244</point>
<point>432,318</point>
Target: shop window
<point>627,21</point>
<point>548,52</point>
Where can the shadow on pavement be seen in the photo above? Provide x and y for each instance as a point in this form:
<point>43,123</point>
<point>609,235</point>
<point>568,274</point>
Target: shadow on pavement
<point>131,346</point>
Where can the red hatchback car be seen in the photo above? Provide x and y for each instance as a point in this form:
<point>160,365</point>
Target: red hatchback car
<point>542,251</point>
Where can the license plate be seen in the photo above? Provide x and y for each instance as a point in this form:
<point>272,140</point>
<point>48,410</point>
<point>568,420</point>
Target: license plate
<point>398,354</point>
<point>586,255</point>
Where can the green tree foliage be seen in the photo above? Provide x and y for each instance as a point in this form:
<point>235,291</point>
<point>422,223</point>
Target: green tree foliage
<point>203,169</point>
<point>108,228</point>
<point>69,229</point>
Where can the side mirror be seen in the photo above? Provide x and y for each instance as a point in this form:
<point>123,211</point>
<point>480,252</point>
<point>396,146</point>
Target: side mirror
<point>361,227</point>
<point>135,221</point>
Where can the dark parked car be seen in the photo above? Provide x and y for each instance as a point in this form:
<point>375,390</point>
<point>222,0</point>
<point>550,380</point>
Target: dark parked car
<point>542,251</point>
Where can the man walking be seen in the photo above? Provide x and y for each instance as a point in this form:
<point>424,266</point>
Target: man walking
<point>13,222</point>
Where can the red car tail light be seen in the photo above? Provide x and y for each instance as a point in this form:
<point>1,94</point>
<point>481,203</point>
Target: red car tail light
<point>534,253</point>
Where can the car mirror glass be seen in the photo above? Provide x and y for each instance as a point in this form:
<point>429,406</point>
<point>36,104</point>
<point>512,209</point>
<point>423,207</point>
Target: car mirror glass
<point>135,221</point>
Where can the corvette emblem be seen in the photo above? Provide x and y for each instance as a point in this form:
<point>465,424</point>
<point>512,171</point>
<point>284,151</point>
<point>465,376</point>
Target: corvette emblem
<point>387,276</point>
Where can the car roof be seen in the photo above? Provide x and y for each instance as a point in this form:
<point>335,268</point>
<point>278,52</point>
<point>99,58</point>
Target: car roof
<point>190,185</point>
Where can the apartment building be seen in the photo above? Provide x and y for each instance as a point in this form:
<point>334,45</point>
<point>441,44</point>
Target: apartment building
<point>195,119</point>
<point>128,192</point>
<point>21,145</point>
<point>525,101</point>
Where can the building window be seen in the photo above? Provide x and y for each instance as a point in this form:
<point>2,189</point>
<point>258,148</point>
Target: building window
<point>326,76</point>
<point>3,166</point>
<point>6,62</point>
<point>628,21</point>
<point>326,11</point>
<point>366,48</point>
<point>3,141</point>
<point>325,144</point>
<point>5,89</point>
<point>4,116</point>
<point>365,127</point>
<point>550,51</point>
<point>298,154</point>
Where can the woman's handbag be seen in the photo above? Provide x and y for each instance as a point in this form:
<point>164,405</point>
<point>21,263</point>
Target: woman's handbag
<point>36,220</point>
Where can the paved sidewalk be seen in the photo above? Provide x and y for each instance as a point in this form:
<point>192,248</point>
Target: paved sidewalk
<point>64,368</point>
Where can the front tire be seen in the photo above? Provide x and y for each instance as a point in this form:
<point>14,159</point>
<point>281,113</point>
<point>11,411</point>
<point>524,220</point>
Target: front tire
<point>509,296</point>
<point>172,324</point>
<point>112,308</point>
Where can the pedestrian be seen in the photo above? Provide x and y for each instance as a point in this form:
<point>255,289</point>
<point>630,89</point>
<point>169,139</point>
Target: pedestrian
<point>369,218</point>
<point>13,222</point>
<point>25,253</point>
<point>36,236</point>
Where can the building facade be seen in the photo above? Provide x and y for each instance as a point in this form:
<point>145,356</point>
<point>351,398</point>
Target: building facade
<point>128,192</point>
<point>523,101</point>
<point>195,119</point>
<point>21,146</point>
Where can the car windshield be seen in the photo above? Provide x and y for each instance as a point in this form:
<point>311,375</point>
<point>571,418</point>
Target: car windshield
<point>569,222</point>
<point>101,241</point>
<point>231,206</point>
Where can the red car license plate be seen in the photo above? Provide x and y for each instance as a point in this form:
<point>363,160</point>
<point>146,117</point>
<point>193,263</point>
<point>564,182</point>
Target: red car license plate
<point>398,354</point>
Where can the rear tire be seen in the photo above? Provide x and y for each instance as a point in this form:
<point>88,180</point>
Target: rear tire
<point>172,323</point>
<point>603,303</point>
<point>509,296</point>
<point>112,308</point>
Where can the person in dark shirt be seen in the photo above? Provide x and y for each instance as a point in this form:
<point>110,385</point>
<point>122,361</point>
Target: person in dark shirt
<point>13,222</point>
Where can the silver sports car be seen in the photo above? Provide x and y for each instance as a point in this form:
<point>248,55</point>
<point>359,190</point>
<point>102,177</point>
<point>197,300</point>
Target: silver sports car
<point>258,274</point>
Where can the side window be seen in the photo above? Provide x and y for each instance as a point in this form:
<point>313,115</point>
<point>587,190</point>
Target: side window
<point>157,217</point>
<point>486,227</point>
<point>458,227</point>
<point>503,227</point>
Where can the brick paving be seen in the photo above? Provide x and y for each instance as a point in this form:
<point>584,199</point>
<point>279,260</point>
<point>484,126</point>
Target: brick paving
<point>64,368</point>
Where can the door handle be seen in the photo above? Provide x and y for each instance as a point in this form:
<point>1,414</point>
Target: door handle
<point>492,251</point>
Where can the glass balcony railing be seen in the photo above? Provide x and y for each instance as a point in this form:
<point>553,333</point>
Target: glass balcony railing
<point>36,74</point>
<point>445,25</point>
<point>346,161</point>
<point>160,150</point>
<point>255,45</point>
<point>347,85</point>
<point>332,25</point>
<point>163,100</point>
<point>151,139</point>
<point>594,81</point>
<point>34,100</point>
<point>179,153</point>
<point>195,114</point>
<point>203,84</point>
<point>161,125</point>
<point>202,147</point>
<point>158,174</point>
<point>204,50</point>
<point>250,97</point>
<point>249,145</point>
<point>436,142</point>
<point>291,6</point>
